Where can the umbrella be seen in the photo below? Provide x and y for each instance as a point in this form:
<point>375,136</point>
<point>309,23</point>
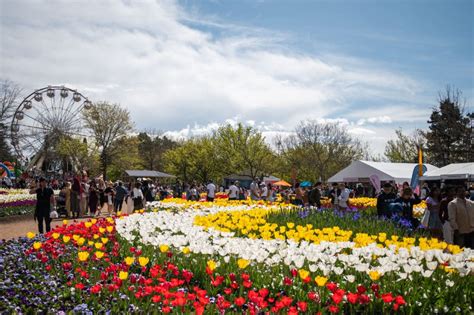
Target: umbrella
<point>305,184</point>
<point>282,183</point>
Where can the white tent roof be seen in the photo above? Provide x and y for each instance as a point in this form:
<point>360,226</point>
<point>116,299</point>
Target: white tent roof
<point>451,171</point>
<point>358,170</point>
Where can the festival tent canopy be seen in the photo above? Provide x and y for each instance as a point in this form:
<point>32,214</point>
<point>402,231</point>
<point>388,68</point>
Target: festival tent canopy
<point>451,171</point>
<point>305,184</point>
<point>360,171</point>
<point>282,183</point>
<point>148,173</point>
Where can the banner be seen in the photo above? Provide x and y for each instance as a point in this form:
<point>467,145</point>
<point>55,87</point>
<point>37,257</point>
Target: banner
<point>375,181</point>
<point>415,177</point>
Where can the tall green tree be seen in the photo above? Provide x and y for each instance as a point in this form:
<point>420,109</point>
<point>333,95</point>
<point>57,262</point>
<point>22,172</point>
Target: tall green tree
<point>79,154</point>
<point>108,122</point>
<point>404,149</point>
<point>125,156</point>
<point>449,138</point>
<point>152,148</point>
<point>242,149</point>
<point>318,150</point>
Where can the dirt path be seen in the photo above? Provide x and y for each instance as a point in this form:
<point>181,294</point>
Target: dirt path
<point>17,226</point>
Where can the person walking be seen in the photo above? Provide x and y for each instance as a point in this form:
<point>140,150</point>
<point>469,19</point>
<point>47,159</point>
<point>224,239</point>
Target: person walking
<point>461,218</point>
<point>254,191</point>
<point>120,194</point>
<point>44,201</point>
<point>384,199</point>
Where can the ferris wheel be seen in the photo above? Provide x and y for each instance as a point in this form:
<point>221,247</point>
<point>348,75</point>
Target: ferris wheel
<point>42,118</point>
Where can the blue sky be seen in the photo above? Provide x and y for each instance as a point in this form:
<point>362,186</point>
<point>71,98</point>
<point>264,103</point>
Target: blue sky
<point>186,67</point>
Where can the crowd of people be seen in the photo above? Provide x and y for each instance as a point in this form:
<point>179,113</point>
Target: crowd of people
<point>449,213</point>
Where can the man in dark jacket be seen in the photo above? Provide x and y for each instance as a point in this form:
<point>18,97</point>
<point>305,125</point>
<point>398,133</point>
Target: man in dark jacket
<point>44,201</point>
<point>314,196</point>
<point>385,198</point>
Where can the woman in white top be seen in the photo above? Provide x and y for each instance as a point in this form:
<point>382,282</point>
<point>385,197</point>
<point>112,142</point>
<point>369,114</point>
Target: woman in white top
<point>137,197</point>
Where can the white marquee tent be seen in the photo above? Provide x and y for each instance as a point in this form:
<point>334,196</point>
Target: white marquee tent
<point>451,171</point>
<point>360,171</point>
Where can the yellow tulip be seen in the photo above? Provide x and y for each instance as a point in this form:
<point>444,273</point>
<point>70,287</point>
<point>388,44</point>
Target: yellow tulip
<point>37,245</point>
<point>186,250</point>
<point>123,275</point>
<point>99,254</point>
<point>104,240</point>
<point>110,228</point>
<point>75,237</point>
<point>211,264</point>
<point>96,236</point>
<point>83,256</point>
<point>101,230</point>
<point>30,235</point>
<point>94,221</point>
<point>88,224</point>
<point>66,239</point>
<point>98,245</point>
<point>81,241</point>
<point>65,222</point>
<point>303,273</point>
<point>374,275</point>
<point>129,260</point>
<point>164,248</point>
<point>243,263</point>
<point>90,243</point>
<point>143,261</point>
<point>320,281</point>
<point>56,235</point>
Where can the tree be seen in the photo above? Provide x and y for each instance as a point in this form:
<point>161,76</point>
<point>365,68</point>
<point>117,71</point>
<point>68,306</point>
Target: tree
<point>404,149</point>
<point>450,132</point>
<point>194,160</point>
<point>78,153</point>
<point>9,94</point>
<point>318,150</point>
<point>125,155</point>
<point>242,149</point>
<point>108,122</point>
<point>152,146</point>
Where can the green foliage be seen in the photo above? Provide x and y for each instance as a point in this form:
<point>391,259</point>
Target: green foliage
<point>79,154</point>
<point>126,157</point>
<point>318,151</point>
<point>152,149</point>
<point>229,150</point>
<point>449,138</point>
<point>404,149</point>
<point>108,122</point>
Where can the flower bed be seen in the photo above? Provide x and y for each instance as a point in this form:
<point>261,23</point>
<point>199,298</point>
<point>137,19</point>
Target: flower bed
<point>16,203</point>
<point>168,260</point>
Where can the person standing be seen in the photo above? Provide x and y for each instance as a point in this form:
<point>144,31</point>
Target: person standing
<point>384,199</point>
<point>343,197</point>
<point>44,201</point>
<point>109,195</point>
<point>461,218</point>
<point>234,191</point>
<point>444,215</point>
<point>314,196</point>
<point>407,200</point>
<point>211,191</point>
<point>433,203</point>
<point>264,190</point>
<point>120,194</point>
<point>334,194</point>
<point>102,198</point>
<point>137,197</point>
<point>254,191</point>
<point>425,191</point>
<point>67,202</point>
<point>76,192</point>
<point>299,193</point>
<point>93,199</point>
<point>242,191</point>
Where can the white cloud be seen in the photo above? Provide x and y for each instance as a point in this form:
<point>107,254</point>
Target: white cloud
<point>172,76</point>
